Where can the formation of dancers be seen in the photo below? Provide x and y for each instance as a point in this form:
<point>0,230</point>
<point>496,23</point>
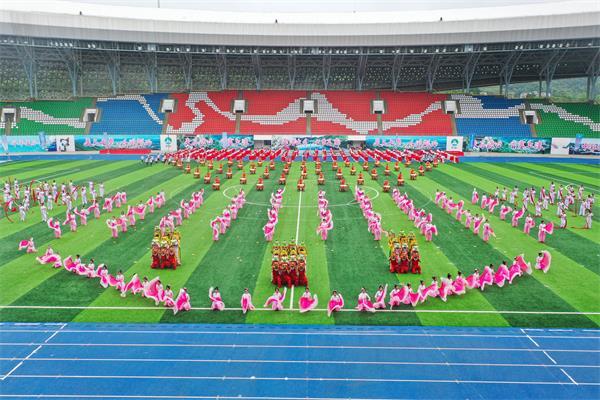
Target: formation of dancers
<point>288,264</point>
<point>273,214</point>
<point>423,220</point>
<point>326,223</point>
<point>128,218</point>
<point>373,218</point>
<point>475,222</point>
<point>151,289</point>
<point>221,223</point>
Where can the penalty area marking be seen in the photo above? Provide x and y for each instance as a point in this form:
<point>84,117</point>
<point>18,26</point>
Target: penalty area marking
<point>116,308</point>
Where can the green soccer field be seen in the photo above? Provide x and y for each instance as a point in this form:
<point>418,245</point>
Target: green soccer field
<point>567,296</point>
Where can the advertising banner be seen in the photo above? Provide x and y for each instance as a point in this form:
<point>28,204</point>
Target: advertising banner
<point>580,146</point>
<point>411,142</point>
<point>496,144</point>
<point>454,143</point>
<point>168,143</point>
<point>104,142</point>
<point>309,142</point>
<point>215,142</point>
<point>28,144</point>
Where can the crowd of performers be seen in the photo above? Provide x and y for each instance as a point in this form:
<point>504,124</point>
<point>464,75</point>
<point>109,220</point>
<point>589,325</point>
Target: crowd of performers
<point>475,222</point>
<point>128,218</point>
<point>221,223</point>
<point>444,287</point>
<point>288,264</point>
<point>404,253</point>
<point>18,197</point>
<point>273,214</point>
<point>423,221</point>
<point>326,223</point>
<point>166,249</point>
<point>151,289</point>
<point>373,218</point>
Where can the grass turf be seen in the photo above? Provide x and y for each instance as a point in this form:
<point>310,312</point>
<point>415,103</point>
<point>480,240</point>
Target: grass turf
<point>348,260</point>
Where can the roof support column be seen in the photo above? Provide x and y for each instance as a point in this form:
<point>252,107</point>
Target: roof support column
<point>151,68</point>
<point>326,70</point>
<point>361,72</point>
<point>27,55</point>
<point>593,72</point>
<point>469,71</point>
<point>186,62</point>
<point>114,70</point>
<point>257,70</point>
<point>396,68</point>
<point>292,70</point>
<point>222,64</point>
<point>434,64</point>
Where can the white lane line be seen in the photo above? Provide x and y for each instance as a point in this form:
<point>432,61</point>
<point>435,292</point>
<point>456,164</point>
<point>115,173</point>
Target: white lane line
<point>529,337</point>
<point>32,353</point>
<point>317,362</point>
<point>552,359</point>
<point>281,346</point>
<point>316,309</point>
<point>569,376</point>
<point>292,298</point>
<point>301,379</point>
<point>123,396</point>
<point>296,333</point>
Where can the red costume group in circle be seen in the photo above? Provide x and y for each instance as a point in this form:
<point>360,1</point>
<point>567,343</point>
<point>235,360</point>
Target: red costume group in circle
<point>288,265</point>
<point>404,254</point>
<point>165,250</point>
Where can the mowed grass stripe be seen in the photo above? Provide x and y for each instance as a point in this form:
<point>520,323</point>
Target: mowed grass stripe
<point>43,235</point>
<point>581,171</point>
<point>581,250</point>
<point>355,258</point>
<point>285,231</point>
<point>195,242</point>
<point>56,287</point>
<point>108,172</point>
<point>559,178</point>
<point>50,172</point>
<point>434,263</point>
<point>527,294</point>
<point>233,262</point>
<point>8,169</point>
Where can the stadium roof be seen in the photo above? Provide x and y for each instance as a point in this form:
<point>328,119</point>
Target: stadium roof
<point>527,21</point>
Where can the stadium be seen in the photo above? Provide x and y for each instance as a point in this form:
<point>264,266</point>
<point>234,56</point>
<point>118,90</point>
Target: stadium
<point>269,200</point>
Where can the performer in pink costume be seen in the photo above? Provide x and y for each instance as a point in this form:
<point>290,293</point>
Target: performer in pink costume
<point>134,286</point>
<point>477,222</point>
<point>364,302</point>
<point>514,271</point>
<point>113,226</point>
<point>28,245</point>
<point>504,209</point>
<point>474,197</point>
<point>176,214</point>
<point>151,290</point>
<point>502,274</point>
<point>516,216</point>
<point>215,226</point>
<point>182,303</point>
<point>276,300</point>
<point>324,227</point>
<point>524,265</point>
<point>71,221</point>
<point>412,297</point>
<point>122,222</point>
<point>307,301</point>
<point>459,285</point>
<point>487,277</point>
<point>446,287</point>
<point>140,210</point>
<point>397,296</point>
<point>487,232</point>
<point>150,204</point>
<point>167,297</point>
<point>108,204</point>
<point>380,297</point>
<point>246,301</point>
<point>216,300</point>
<point>117,281</point>
<point>55,226</point>
<point>543,229</point>
<point>49,257</point>
<point>468,219</point>
<point>269,231</point>
<point>529,223</point>
<point>82,215</point>
<point>130,215</point>
<point>95,209</point>
<point>492,204</point>
<point>543,261</point>
<point>430,230</point>
<point>472,280</point>
<point>484,202</point>
<point>336,303</point>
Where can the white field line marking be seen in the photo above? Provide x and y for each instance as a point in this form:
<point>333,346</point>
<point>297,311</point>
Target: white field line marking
<point>302,333</point>
<point>101,396</point>
<point>529,337</point>
<point>569,376</point>
<point>316,309</point>
<point>33,352</point>
<point>551,359</point>
<point>281,346</point>
<point>298,219</point>
<point>334,362</point>
<point>301,379</point>
<point>292,298</point>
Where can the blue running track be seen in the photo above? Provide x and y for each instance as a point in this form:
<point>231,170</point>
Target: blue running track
<point>111,361</point>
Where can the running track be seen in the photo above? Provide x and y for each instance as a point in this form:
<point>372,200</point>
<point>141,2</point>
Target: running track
<point>111,361</point>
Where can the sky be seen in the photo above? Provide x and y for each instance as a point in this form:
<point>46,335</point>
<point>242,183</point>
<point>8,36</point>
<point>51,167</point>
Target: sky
<point>303,6</point>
